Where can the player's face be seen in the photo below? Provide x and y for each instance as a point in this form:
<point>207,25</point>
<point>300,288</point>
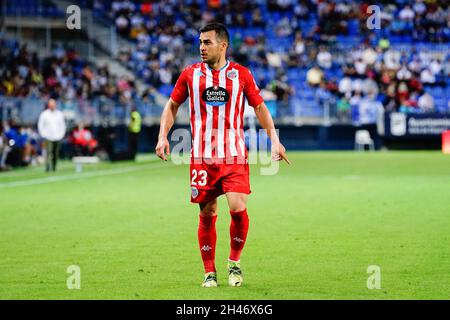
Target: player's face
<point>211,49</point>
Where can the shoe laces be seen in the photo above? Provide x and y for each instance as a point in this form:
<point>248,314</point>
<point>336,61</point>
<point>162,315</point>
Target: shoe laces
<point>235,269</point>
<point>211,276</point>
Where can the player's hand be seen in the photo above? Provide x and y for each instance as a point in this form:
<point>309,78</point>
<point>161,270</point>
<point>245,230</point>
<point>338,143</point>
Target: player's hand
<point>162,148</point>
<point>279,153</point>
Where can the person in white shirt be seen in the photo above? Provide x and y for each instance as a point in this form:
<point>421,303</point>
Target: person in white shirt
<point>324,58</point>
<point>426,102</point>
<point>427,77</point>
<point>406,13</point>
<point>345,85</point>
<point>403,73</point>
<point>52,128</point>
<point>435,67</point>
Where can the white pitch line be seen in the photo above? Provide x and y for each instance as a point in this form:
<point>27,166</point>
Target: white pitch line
<point>63,166</point>
<point>33,170</point>
<point>76,176</point>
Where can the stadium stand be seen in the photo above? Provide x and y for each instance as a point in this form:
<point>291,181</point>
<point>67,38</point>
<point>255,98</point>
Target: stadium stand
<point>400,65</point>
<point>33,8</point>
<point>281,41</point>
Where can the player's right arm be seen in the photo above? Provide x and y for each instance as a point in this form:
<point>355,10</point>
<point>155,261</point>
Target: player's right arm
<point>167,121</point>
<point>179,94</point>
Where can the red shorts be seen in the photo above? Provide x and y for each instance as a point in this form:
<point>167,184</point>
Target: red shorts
<point>208,181</point>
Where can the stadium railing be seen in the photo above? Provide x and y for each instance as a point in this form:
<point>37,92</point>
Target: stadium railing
<point>91,111</point>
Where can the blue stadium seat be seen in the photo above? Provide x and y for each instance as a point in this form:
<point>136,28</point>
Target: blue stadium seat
<point>166,90</point>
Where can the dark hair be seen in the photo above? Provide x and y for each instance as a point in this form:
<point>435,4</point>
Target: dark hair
<point>219,28</point>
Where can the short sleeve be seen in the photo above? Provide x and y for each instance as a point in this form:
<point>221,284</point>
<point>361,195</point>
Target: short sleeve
<point>180,91</point>
<point>251,90</point>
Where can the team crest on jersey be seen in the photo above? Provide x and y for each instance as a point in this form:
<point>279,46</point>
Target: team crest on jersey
<point>232,74</point>
<point>194,192</point>
<point>215,96</point>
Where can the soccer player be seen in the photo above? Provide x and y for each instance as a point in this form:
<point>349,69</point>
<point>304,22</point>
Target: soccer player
<point>216,88</point>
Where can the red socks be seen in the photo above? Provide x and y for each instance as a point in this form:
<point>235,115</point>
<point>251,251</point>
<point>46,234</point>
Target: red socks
<point>207,237</point>
<point>238,233</point>
<point>207,240</point>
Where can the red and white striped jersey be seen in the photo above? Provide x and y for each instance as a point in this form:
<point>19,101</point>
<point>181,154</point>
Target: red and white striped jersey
<point>216,107</point>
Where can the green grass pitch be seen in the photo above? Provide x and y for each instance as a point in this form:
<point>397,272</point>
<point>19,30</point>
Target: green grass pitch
<point>315,227</point>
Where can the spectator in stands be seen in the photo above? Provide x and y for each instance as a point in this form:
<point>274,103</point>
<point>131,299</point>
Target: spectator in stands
<point>402,92</point>
<point>274,59</point>
<point>355,99</point>
<point>369,56</point>
<point>392,59</point>
<point>360,68</point>
<point>419,7</point>
<point>435,67</point>
<point>282,91</point>
<point>345,86</point>
<point>324,58</point>
<point>427,77</point>
<point>415,65</point>
<point>257,19</point>
<point>323,95</point>
<point>301,10</point>
<point>407,14</point>
<point>415,85</point>
<point>370,86</point>
<point>52,128</point>
<point>299,44</point>
<point>426,102</point>
<point>343,109</point>
<point>403,73</point>
<point>314,76</point>
<point>283,28</point>
<point>389,100</point>
<point>123,25</point>
<point>369,108</point>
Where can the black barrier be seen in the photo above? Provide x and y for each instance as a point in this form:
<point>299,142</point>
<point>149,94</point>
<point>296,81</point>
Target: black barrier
<point>404,125</point>
<point>307,137</point>
<point>412,131</point>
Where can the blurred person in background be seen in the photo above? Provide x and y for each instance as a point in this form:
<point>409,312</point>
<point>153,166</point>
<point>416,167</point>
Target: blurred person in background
<point>83,141</point>
<point>134,129</point>
<point>52,128</point>
<point>314,76</point>
<point>26,142</point>
<point>426,102</point>
<point>3,148</point>
<point>17,145</point>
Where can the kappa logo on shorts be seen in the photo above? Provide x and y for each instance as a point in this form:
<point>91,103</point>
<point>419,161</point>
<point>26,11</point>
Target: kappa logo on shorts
<point>194,192</point>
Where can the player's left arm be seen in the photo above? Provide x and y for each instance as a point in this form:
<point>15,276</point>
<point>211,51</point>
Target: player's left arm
<point>266,122</point>
<point>255,100</point>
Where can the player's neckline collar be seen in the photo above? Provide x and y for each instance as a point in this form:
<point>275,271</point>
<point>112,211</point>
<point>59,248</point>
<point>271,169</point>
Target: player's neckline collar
<point>224,67</point>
